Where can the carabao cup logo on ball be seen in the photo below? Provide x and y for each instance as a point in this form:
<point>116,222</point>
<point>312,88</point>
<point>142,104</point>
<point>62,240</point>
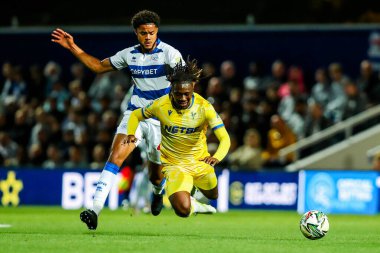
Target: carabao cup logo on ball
<point>320,192</point>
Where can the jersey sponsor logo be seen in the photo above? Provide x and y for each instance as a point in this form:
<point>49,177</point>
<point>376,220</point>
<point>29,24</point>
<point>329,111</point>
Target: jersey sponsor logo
<point>151,71</point>
<point>144,71</point>
<point>180,130</point>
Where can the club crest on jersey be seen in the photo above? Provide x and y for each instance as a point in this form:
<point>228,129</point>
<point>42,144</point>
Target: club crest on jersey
<point>133,59</point>
<point>155,57</point>
<point>170,112</point>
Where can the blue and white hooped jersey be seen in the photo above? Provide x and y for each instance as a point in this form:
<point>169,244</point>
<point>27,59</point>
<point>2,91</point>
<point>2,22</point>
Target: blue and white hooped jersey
<point>148,71</point>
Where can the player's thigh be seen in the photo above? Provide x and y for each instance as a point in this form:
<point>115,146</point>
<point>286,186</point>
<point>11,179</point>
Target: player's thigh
<point>152,135</point>
<point>123,126</point>
<point>119,149</point>
<point>177,180</point>
<point>206,181</point>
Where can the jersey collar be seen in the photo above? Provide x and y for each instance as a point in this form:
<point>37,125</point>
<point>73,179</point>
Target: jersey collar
<point>192,101</point>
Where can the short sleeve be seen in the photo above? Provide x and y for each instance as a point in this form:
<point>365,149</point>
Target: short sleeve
<point>118,61</point>
<point>174,58</point>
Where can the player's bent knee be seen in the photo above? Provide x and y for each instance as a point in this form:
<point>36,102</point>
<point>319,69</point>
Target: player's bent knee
<point>182,208</point>
<point>183,211</point>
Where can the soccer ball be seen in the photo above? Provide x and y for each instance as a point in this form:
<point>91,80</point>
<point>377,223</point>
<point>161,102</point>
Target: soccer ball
<point>314,224</point>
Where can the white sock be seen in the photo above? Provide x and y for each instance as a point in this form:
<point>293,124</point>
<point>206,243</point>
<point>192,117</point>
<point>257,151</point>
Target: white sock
<point>158,189</point>
<point>104,185</point>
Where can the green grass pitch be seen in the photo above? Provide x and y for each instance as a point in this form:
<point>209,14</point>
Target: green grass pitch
<point>51,229</point>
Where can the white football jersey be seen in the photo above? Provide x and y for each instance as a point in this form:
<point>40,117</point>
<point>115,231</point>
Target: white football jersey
<point>148,71</point>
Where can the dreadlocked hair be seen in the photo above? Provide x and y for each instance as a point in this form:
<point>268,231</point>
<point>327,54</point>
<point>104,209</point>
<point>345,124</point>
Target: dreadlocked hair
<point>145,17</point>
<point>184,73</point>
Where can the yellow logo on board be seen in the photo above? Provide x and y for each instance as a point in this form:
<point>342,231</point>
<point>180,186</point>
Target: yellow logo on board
<point>10,187</point>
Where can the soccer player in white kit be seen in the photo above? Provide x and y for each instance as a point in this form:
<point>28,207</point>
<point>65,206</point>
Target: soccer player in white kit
<point>147,62</point>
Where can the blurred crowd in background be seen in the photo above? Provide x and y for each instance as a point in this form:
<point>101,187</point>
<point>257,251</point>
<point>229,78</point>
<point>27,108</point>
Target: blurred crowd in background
<point>49,121</point>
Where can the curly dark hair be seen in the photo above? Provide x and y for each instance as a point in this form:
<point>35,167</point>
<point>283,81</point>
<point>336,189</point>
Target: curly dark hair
<point>145,17</point>
<point>184,73</point>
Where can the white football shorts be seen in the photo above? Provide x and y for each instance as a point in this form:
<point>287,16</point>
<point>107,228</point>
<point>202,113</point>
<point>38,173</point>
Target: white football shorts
<point>148,130</point>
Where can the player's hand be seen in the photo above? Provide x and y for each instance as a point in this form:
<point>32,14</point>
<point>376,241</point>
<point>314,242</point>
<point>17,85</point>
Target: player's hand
<point>210,160</point>
<point>130,139</point>
<point>63,38</point>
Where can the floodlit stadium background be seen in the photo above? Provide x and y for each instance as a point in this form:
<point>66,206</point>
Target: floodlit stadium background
<point>308,34</point>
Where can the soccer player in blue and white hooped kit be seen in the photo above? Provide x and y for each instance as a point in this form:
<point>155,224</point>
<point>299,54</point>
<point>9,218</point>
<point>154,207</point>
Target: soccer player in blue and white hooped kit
<point>147,62</point>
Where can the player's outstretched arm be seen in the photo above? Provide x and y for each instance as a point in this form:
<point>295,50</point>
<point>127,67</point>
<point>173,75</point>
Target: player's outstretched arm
<point>66,40</point>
